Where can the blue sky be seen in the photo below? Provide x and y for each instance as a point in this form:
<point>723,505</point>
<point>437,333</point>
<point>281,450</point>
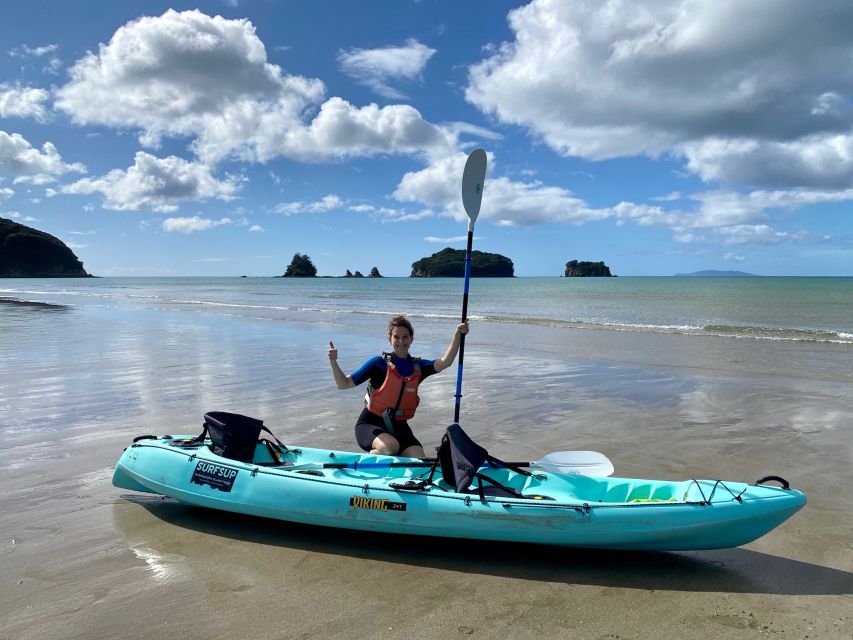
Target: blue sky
<point>220,138</point>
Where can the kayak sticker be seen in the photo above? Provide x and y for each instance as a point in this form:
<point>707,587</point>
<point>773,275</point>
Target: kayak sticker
<point>377,504</point>
<point>214,475</point>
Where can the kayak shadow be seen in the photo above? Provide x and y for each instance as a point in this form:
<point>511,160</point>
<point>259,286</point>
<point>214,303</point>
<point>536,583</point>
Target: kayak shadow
<point>737,570</point>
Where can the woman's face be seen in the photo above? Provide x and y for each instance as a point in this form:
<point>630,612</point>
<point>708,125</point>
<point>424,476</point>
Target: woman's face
<point>400,340</point>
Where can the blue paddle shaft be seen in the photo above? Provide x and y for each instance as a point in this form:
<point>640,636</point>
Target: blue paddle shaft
<point>464,319</point>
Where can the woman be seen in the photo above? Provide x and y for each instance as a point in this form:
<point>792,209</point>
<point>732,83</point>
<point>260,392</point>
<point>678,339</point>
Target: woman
<point>392,393</point>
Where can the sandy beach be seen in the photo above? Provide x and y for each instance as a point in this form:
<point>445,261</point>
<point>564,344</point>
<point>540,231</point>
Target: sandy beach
<point>82,559</point>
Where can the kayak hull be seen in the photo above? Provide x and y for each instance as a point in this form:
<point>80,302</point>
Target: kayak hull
<point>560,509</point>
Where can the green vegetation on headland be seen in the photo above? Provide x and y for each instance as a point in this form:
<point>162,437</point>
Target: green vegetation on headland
<point>450,263</point>
<point>582,269</point>
<point>29,253</point>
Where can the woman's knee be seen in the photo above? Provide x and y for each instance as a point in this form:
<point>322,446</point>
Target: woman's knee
<point>386,445</point>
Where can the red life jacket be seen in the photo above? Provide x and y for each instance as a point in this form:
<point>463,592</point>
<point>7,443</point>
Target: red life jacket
<point>397,398</point>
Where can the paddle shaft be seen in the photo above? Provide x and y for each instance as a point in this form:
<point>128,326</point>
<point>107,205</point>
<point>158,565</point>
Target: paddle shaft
<point>464,319</point>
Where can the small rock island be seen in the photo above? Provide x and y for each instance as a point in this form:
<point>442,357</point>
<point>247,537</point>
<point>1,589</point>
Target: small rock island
<point>582,269</point>
<point>29,253</point>
<point>450,263</point>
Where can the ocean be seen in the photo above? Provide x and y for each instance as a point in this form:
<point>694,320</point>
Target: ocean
<point>767,308</point>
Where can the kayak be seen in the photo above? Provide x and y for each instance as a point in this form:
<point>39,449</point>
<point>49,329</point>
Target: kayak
<point>392,495</point>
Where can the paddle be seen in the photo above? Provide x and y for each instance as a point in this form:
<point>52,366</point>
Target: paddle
<point>587,463</point>
<point>472,194</point>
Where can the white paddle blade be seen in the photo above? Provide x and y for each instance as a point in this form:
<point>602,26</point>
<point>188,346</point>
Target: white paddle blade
<point>584,463</point>
<point>472,184</point>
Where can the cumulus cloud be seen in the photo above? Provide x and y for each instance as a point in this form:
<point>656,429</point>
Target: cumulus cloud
<point>180,74</point>
<point>376,68</point>
<point>207,78</point>
<point>342,130</point>
<point>23,102</point>
<point>155,183</point>
<point>192,224</point>
<point>721,84</point>
<point>28,164</point>
<point>6,192</point>
<point>505,202</point>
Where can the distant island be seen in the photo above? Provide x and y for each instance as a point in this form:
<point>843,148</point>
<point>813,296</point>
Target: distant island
<point>374,273</point>
<point>713,273</point>
<point>29,253</point>
<point>450,263</point>
<point>300,267</point>
<point>583,269</point>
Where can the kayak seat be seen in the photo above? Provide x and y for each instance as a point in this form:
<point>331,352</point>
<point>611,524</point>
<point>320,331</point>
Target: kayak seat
<point>460,460</point>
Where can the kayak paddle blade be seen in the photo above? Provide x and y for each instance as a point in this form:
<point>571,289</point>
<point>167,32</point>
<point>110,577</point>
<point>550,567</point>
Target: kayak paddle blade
<point>585,463</point>
<point>472,184</point>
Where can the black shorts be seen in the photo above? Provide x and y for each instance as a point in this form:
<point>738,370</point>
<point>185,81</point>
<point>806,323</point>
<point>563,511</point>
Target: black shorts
<point>369,425</point>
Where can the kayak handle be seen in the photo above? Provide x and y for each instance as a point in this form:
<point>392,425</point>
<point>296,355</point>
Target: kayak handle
<point>782,481</point>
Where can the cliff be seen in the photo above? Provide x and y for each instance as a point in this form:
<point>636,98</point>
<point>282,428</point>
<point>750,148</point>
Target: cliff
<point>576,269</point>
<point>29,253</point>
<point>450,263</point>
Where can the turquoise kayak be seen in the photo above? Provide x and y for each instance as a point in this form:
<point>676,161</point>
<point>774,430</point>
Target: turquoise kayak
<point>365,492</point>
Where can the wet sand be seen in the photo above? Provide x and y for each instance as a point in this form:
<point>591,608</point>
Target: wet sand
<point>82,559</point>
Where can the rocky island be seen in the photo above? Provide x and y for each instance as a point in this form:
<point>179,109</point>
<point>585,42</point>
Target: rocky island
<point>300,267</point>
<point>29,253</point>
<point>582,269</point>
<point>450,263</point>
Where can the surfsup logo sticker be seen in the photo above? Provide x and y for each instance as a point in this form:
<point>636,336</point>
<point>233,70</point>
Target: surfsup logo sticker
<point>377,504</point>
<point>214,475</point>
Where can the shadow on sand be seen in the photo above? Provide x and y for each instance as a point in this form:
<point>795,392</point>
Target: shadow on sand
<point>736,570</point>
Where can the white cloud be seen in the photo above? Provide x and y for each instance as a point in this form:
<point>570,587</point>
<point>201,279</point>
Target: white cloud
<point>182,74</point>
<point>16,215</point>
<point>376,68</point>
<point>341,130</point>
<point>154,183</point>
<point>758,234</point>
<point>20,159</point>
<point>189,75</point>
<point>731,257</point>
<point>6,192</point>
<point>326,203</point>
<point>191,225</point>
<point>25,51</point>
<point>721,83</point>
<point>23,102</point>
<point>256,227</point>
<point>505,202</point>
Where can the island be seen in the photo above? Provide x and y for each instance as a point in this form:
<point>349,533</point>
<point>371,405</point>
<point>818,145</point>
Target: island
<point>29,253</point>
<point>583,269</point>
<point>300,267</point>
<point>450,263</point>
<point>714,273</point>
<point>374,273</point>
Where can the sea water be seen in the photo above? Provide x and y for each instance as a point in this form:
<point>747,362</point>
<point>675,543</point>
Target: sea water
<point>79,353</point>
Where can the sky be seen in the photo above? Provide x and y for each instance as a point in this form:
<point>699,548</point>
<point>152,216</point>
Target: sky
<point>222,137</point>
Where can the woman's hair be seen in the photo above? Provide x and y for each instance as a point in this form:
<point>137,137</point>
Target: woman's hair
<point>400,321</point>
